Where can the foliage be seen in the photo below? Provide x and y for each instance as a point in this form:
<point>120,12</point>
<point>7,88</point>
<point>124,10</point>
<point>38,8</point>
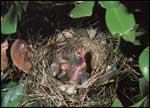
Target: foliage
<point>9,22</point>
<point>144,63</point>
<point>13,96</point>
<point>117,103</point>
<point>80,10</point>
<point>141,103</point>
<point>119,21</point>
<point>144,87</point>
<point>110,4</point>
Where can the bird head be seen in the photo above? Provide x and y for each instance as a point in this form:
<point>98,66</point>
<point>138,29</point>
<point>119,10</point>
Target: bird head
<point>80,52</point>
<point>55,69</point>
<point>78,57</point>
<point>83,77</point>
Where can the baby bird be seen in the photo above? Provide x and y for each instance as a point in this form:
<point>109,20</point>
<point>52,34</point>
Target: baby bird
<point>71,70</point>
<point>83,77</point>
<point>77,58</point>
<point>77,74</point>
<point>65,70</point>
<point>60,67</point>
<point>55,69</point>
<point>78,62</point>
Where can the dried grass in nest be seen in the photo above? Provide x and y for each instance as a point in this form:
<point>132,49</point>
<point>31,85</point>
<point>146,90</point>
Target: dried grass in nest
<point>43,87</point>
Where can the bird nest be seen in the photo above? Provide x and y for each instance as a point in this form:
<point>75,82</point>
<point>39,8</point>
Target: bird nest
<point>101,64</point>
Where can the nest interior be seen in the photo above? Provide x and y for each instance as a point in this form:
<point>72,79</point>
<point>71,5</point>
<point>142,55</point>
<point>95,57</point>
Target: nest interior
<point>43,88</point>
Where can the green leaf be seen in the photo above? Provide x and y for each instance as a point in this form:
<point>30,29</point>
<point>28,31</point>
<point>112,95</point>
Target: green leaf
<point>11,85</point>
<point>137,98</point>
<point>146,102</point>
<point>109,4</point>
<point>117,103</point>
<point>139,103</point>
<point>13,97</point>
<point>119,21</point>
<point>136,42</point>
<point>6,99</point>
<point>83,9</point>
<point>9,22</point>
<point>138,34</point>
<point>144,87</point>
<point>130,36</point>
<point>144,63</point>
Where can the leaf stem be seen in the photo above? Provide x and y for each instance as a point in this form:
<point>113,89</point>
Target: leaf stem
<point>117,47</point>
